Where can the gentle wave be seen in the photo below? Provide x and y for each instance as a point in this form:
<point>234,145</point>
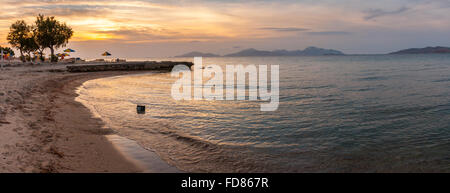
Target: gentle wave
<point>343,114</point>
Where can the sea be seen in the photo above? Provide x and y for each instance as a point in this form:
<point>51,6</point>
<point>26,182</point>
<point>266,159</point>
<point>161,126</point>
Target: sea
<point>355,113</point>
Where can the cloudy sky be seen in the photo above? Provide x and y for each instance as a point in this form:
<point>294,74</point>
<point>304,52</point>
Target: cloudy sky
<point>146,28</point>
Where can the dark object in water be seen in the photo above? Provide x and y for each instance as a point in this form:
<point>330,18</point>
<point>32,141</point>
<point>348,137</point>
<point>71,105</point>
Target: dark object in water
<point>140,109</point>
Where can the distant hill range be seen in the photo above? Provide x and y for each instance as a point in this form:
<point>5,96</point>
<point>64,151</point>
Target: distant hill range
<point>310,51</point>
<point>198,54</point>
<point>427,50</point>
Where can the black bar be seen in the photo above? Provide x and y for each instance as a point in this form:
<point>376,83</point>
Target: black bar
<point>275,182</point>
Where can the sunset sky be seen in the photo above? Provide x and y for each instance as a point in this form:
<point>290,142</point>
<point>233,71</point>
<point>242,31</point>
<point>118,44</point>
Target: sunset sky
<point>144,28</point>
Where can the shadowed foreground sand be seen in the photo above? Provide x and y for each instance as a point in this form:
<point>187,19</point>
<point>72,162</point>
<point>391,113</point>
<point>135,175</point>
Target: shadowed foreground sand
<point>42,128</point>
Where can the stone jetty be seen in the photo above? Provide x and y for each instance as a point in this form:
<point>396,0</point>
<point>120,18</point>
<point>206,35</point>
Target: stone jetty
<point>128,66</point>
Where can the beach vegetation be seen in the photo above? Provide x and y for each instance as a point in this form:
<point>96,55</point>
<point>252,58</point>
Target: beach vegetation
<point>34,39</point>
<point>51,34</point>
<point>18,36</point>
<point>30,47</point>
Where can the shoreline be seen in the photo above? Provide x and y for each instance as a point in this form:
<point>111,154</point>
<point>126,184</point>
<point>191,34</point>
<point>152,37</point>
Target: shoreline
<point>147,160</point>
<point>44,130</point>
<point>86,135</point>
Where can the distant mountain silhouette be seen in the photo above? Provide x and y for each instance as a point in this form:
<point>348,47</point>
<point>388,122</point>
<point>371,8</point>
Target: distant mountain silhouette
<point>427,50</point>
<point>310,51</point>
<point>251,52</point>
<point>195,54</point>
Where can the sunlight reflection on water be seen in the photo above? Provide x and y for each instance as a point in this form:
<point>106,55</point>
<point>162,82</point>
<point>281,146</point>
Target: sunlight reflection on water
<point>337,113</point>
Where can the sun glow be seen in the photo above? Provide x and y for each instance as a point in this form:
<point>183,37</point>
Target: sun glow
<point>224,26</point>
<point>84,36</point>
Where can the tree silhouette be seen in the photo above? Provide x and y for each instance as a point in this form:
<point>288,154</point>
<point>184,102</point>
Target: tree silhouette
<point>18,36</point>
<point>30,45</point>
<point>50,33</point>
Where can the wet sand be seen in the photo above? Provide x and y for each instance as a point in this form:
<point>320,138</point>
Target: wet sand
<point>43,129</point>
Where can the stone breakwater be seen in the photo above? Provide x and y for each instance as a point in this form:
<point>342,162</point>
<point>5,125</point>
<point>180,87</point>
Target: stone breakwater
<point>128,66</point>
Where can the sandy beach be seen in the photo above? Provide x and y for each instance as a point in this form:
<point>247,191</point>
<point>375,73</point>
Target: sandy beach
<point>43,129</point>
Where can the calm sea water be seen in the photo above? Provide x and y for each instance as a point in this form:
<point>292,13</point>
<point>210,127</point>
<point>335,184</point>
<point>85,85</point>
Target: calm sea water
<point>379,113</point>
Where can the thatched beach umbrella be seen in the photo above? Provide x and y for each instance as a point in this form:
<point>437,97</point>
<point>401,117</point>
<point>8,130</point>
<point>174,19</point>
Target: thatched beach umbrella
<point>62,55</point>
<point>69,50</point>
<point>106,54</point>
